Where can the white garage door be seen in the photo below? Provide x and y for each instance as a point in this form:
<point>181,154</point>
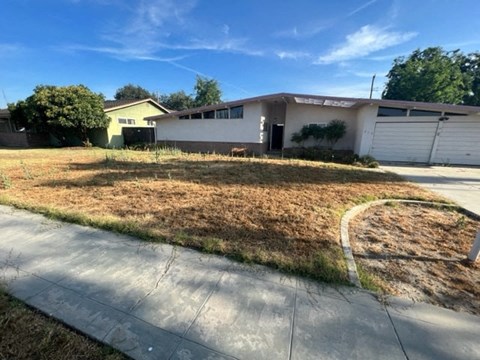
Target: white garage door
<point>402,141</point>
<point>458,143</point>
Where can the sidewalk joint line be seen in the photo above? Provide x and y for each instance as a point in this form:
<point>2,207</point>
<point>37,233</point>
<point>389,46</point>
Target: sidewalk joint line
<point>396,334</point>
<point>292,331</point>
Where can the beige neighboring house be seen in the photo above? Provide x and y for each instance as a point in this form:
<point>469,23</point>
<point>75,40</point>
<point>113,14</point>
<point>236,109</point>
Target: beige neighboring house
<point>388,130</point>
<point>128,122</point>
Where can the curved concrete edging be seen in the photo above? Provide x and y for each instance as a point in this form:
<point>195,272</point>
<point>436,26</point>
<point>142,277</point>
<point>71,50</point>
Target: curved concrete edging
<point>350,214</point>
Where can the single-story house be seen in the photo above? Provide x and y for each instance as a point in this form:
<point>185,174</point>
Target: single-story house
<point>128,123</point>
<point>388,130</point>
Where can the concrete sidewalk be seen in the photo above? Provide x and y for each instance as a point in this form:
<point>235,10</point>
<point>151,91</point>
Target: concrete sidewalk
<point>165,302</point>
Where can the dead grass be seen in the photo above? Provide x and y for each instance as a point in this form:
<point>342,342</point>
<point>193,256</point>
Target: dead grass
<point>27,334</point>
<point>418,252</point>
<point>282,213</point>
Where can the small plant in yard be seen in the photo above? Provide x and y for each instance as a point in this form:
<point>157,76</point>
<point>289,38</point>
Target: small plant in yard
<point>367,161</point>
<point>26,171</point>
<point>212,245</point>
<point>5,180</point>
<point>461,222</point>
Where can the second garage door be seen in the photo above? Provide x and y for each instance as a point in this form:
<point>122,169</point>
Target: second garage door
<point>458,143</point>
<point>402,141</point>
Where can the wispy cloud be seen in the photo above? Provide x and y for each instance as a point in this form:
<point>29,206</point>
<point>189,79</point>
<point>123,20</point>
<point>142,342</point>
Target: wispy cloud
<point>293,55</point>
<point>231,45</point>
<point>302,32</point>
<point>365,41</point>
<point>361,7</point>
<point>10,49</point>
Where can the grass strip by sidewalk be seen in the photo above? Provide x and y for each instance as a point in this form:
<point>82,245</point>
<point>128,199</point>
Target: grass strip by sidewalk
<point>28,335</point>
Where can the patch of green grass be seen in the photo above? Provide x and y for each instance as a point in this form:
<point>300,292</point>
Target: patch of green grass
<point>5,181</point>
<point>368,281</point>
<point>213,245</point>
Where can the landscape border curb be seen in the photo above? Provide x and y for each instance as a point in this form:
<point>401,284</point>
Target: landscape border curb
<point>356,210</point>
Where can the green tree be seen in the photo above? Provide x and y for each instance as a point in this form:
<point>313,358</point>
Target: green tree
<point>67,112</point>
<point>177,101</point>
<point>470,65</point>
<point>430,75</point>
<point>133,92</point>
<point>207,92</point>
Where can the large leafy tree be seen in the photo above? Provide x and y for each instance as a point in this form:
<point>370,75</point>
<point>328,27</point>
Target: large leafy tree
<point>177,101</point>
<point>430,75</point>
<point>207,92</point>
<point>470,65</point>
<point>67,112</point>
<point>133,92</point>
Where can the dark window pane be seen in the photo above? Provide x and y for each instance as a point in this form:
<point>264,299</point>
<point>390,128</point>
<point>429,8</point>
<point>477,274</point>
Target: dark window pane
<point>184,117</point>
<point>196,116</point>
<point>222,114</point>
<point>388,111</point>
<point>454,114</point>
<point>209,114</point>
<point>236,112</point>
<point>414,112</point>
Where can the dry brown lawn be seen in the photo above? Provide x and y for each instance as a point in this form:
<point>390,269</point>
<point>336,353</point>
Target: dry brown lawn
<point>418,252</point>
<point>283,213</point>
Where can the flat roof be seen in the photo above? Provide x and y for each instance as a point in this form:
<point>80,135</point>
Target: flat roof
<point>331,101</point>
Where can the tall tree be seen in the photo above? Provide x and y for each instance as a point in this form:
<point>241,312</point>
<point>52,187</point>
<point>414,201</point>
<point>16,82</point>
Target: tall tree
<point>64,111</point>
<point>431,75</point>
<point>207,92</point>
<point>177,101</point>
<point>133,92</point>
<point>470,65</point>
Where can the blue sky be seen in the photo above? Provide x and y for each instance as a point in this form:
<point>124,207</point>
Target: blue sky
<point>251,47</point>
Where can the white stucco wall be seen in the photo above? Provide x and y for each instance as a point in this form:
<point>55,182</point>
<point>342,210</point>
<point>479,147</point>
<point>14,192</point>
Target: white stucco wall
<point>366,117</point>
<point>246,130</point>
<point>298,115</point>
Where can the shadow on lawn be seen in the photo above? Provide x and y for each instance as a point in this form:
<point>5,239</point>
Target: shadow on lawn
<point>223,172</point>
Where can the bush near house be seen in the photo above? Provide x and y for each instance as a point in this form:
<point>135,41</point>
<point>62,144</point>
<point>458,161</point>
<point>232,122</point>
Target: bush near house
<point>331,133</point>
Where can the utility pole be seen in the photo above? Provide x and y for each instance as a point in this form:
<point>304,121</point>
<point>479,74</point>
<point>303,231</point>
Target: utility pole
<point>371,86</point>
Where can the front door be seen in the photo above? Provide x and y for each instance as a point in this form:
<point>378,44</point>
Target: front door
<point>276,140</point>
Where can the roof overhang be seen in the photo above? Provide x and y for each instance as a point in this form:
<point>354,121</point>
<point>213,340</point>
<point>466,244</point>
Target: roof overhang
<point>136,102</point>
<point>326,101</point>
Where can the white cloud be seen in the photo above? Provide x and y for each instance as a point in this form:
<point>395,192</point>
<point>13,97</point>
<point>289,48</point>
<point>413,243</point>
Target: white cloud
<point>226,29</point>
<point>361,7</point>
<point>238,46</point>
<point>292,55</point>
<point>356,90</point>
<point>364,42</point>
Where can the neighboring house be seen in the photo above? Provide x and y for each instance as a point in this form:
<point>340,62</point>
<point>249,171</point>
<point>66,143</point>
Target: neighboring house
<point>127,123</point>
<point>12,136</point>
<point>389,130</point>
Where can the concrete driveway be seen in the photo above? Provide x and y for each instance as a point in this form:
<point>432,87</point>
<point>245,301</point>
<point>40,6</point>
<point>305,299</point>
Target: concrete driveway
<point>460,184</point>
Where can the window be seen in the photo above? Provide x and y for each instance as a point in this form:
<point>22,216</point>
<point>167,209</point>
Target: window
<point>236,112</point>
<point>454,114</point>
<point>415,112</point>
<point>222,114</point>
<point>209,114</point>
<point>150,122</point>
<point>184,117</point>
<point>318,124</point>
<point>388,111</point>
<point>126,121</point>
<point>196,116</point>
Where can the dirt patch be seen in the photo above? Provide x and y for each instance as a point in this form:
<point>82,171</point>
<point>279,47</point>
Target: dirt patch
<point>417,252</point>
<point>282,213</point>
